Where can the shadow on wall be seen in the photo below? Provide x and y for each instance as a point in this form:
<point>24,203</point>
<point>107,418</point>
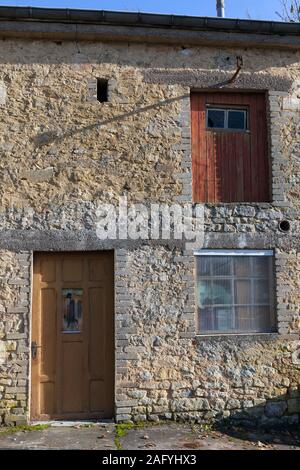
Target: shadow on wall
<point>282,413</point>
<point>56,136</point>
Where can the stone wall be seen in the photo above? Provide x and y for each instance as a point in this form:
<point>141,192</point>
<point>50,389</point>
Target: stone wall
<point>14,336</point>
<point>62,153</point>
<point>166,371</point>
<point>74,148</point>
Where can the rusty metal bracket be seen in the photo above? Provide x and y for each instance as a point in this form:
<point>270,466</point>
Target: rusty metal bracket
<point>239,66</point>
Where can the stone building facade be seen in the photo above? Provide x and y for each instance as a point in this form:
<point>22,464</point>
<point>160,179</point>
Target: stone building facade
<point>63,153</point>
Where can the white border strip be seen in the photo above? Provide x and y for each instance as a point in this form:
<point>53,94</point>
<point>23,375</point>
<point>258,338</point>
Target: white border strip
<point>234,253</point>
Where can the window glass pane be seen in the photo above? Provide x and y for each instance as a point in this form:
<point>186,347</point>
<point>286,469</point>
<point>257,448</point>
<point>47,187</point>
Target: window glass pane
<point>242,266</point>
<point>261,319</point>
<point>221,265</point>
<point>204,293</point>
<point>221,292</point>
<point>214,293</point>
<point>203,265</point>
<point>216,319</point>
<point>216,118</point>
<point>224,318</point>
<point>236,119</point>
<point>261,266</point>
<point>261,292</point>
<point>206,319</point>
<point>242,292</point>
<point>243,318</point>
<point>72,310</point>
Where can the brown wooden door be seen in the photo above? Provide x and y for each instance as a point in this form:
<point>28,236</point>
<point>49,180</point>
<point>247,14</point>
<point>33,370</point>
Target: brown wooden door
<point>230,166</point>
<point>72,327</point>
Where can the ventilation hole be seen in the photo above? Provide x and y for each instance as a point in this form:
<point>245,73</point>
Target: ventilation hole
<point>102,90</point>
<point>126,187</point>
<point>284,225</point>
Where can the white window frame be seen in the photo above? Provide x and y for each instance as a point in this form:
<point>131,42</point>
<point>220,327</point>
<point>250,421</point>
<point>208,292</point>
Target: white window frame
<point>234,253</point>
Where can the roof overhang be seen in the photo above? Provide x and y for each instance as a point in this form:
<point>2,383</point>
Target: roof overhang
<point>93,25</point>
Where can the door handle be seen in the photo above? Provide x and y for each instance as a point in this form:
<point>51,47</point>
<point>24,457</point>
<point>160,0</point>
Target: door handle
<point>34,348</point>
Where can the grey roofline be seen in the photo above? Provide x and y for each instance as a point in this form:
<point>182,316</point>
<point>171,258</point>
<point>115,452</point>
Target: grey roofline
<point>145,28</point>
<point>147,20</point>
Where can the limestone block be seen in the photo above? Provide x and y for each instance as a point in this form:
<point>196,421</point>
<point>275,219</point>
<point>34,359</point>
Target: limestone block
<point>294,405</point>
<point>296,357</point>
<point>275,409</point>
<point>3,94</point>
<point>37,176</point>
<point>291,103</point>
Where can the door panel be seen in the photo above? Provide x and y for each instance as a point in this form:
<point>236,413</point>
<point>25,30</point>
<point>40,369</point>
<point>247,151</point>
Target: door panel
<point>73,377</point>
<point>72,326</point>
<point>72,269</point>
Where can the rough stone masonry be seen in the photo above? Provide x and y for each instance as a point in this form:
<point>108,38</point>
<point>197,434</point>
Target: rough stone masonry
<point>62,153</point>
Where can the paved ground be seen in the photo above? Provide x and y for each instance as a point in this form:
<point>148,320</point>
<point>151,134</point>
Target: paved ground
<point>151,437</point>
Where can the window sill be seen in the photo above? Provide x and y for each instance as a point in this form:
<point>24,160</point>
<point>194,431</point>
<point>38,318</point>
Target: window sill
<point>259,204</point>
<point>228,131</point>
<point>271,335</point>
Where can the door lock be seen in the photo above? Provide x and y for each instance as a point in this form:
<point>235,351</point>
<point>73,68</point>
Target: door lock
<point>34,348</point>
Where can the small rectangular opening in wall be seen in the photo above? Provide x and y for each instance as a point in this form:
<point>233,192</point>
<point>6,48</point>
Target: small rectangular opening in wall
<point>102,90</point>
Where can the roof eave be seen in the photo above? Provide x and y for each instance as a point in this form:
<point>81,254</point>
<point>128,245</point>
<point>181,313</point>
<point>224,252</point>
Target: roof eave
<point>66,24</point>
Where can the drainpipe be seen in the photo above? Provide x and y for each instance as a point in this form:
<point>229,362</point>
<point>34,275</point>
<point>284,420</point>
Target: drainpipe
<point>221,8</point>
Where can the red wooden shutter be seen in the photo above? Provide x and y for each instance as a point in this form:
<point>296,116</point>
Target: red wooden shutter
<point>230,166</point>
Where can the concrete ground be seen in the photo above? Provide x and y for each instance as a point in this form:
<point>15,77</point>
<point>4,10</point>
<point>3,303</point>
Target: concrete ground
<point>172,436</point>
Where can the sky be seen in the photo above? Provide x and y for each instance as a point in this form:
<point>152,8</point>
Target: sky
<point>255,9</point>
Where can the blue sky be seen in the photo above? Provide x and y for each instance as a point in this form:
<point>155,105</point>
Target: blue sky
<point>256,9</point>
